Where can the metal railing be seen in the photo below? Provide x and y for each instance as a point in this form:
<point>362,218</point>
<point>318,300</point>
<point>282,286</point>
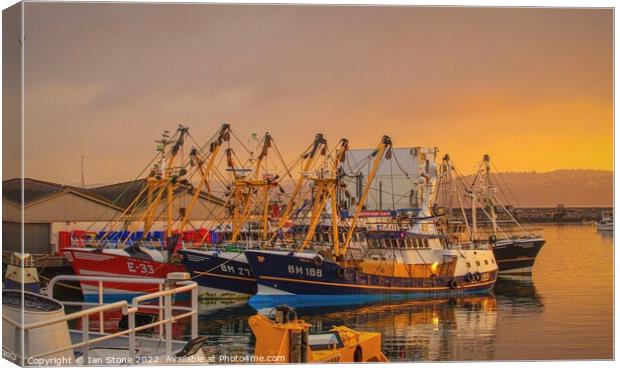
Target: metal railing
<point>164,324</point>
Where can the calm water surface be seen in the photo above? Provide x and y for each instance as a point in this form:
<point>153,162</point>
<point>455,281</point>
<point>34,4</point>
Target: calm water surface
<point>564,311</point>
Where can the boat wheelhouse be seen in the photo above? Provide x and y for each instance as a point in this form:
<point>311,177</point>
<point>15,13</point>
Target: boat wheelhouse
<point>607,222</point>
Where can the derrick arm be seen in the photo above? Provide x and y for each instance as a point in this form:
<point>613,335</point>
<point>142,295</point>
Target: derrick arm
<point>214,150</point>
<point>326,189</point>
<point>170,179</point>
<point>310,155</point>
<point>262,155</point>
<point>317,208</point>
<point>386,143</point>
<point>251,193</point>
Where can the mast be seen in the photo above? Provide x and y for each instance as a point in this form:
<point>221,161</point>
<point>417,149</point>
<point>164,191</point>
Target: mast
<point>490,193</point>
<point>246,189</point>
<point>474,222</point>
<point>325,190</point>
<point>171,177</point>
<point>386,144</point>
<point>162,179</point>
<point>450,173</point>
<point>195,158</point>
<point>82,171</point>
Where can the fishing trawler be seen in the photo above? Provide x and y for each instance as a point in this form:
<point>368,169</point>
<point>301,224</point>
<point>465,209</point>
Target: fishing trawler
<point>133,251</point>
<point>515,248</point>
<point>399,262</point>
<point>606,223</point>
<point>223,270</point>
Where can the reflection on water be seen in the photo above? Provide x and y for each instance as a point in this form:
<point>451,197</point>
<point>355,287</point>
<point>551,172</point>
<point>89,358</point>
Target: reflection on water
<point>564,311</point>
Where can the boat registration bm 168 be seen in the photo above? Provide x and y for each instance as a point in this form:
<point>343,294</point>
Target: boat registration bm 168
<point>305,271</point>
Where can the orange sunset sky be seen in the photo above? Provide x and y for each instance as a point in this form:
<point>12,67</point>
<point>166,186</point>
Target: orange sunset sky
<point>531,87</point>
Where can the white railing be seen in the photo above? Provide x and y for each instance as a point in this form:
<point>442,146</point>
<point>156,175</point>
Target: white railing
<point>164,324</point>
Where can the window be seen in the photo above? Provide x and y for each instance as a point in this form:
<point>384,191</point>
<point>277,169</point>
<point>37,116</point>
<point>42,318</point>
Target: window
<point>486,262</point>
<point>468,265</point>
<point>477,263</point>
<point>492,261</point>
<point>425,243</point>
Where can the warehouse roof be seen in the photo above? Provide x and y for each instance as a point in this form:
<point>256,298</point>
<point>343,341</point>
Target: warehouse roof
<point>118,196</point>
<point>122,194</point>
<point>36,190</point>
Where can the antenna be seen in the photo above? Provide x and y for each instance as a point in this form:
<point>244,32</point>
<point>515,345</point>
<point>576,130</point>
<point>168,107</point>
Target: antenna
<point>82,171</point>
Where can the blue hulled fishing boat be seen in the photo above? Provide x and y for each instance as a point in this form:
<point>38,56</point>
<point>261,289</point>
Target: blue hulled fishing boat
<point>399,261</point>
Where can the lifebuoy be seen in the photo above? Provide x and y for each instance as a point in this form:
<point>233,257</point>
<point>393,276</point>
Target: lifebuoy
<point>453,284</point>
<point>477,276</point>
<point>340,272</point>
<point>469,277</point>
<point>357,355</point>
<point>318,260</point>
<point>492,239</point>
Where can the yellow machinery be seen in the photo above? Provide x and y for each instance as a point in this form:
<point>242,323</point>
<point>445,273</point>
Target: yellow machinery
<point>285,339</point>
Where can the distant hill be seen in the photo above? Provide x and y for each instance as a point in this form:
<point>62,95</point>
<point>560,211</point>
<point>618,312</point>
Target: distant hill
<point>568,187</point>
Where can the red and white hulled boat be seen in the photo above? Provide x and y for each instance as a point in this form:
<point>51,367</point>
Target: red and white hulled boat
<point>133,254</point>
<point>137,262</point>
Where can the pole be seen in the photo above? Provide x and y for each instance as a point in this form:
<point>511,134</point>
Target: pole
<point>82,171</point>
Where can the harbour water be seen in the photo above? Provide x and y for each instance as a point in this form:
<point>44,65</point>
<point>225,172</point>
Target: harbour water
<point>564,311</point>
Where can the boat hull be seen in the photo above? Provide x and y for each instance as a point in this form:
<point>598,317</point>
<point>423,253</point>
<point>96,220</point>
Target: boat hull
<point>89,262</point>
<point>517,256</point>
<point>289,277</point>
<point>221,274</point>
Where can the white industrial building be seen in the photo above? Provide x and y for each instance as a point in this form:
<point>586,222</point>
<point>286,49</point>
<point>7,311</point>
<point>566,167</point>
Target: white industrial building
<point>398,182</point>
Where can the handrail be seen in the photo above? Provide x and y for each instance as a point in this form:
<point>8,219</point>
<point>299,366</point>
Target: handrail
<point>126,309</point>
<point>86,312</point>
<point>135,280</point>
<point>188,286</point>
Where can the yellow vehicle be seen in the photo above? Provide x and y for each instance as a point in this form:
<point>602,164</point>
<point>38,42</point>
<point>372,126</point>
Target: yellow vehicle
<point>287,336</point>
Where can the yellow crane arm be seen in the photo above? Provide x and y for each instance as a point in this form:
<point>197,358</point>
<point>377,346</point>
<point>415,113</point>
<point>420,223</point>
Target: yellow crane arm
<point>214,150</point>
<point>326,189</point>
<point>386,143</point>
<point>310,154</point>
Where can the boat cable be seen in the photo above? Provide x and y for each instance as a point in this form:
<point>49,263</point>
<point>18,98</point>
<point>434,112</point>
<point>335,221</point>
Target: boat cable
<point>201,273</point>
<point>123,192</point>
<point>505,184</point>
